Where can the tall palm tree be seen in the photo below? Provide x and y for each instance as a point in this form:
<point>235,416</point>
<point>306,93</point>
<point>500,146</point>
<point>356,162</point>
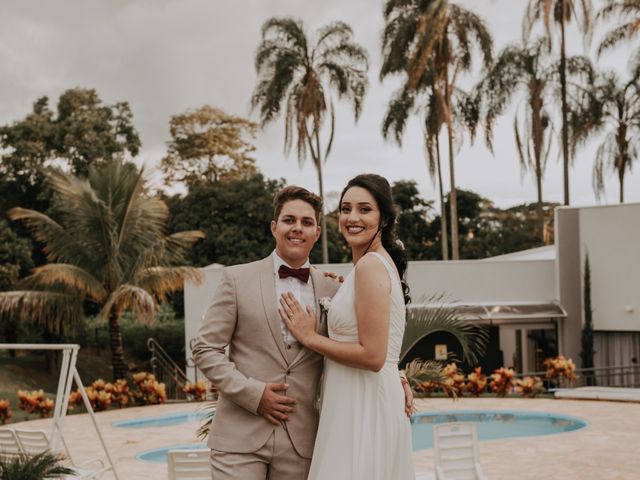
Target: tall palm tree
<point>427,102</point>
<point>297,76</point>
<point>107,244</point>
<point>626,10</point>
<point>611,107</point>
<point>523,70</point>
<point>434,35</point>
<point>561,12</point>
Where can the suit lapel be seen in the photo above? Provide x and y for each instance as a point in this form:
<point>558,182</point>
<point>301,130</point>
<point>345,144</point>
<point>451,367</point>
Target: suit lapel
<point>268,289</point>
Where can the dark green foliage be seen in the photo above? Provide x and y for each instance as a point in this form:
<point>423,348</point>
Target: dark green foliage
<point>586,338</point>
<point>39,467</point>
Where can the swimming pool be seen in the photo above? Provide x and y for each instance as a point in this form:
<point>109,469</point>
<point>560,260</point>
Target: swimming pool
<point>161,421</point>
<point>491,425</point>
<point>494,424</point>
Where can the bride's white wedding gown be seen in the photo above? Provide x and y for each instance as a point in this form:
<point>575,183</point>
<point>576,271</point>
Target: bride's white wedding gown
<point>364,433</point>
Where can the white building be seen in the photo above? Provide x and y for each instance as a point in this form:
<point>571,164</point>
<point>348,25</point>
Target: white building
<point>531,299</point>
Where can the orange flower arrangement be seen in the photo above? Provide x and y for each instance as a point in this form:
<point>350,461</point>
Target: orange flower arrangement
<point>453,383</point>
<point>559,368</point>
<point>196,391</point>
<point>151,392</point>
<point>476,382</point>
<point>529,386</point>
<point>502,381</point>
<point>5,411</point>
<point>35,402</point>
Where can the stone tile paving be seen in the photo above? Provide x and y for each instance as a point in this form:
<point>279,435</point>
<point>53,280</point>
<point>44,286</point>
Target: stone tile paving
<point>609,448</point>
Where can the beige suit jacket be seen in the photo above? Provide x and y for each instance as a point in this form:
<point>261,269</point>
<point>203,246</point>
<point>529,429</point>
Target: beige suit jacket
<point>244,317</point>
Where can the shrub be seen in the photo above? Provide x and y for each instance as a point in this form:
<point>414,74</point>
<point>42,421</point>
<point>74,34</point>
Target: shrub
<point>476,382</point>
<point>196,391</point>
<point>35,402</point>
<point>38,467</point>
<point>559,368</point>
<point>529,386</point>
<point>5,411</point>
<point>150,391</point>
<point>502,381</point>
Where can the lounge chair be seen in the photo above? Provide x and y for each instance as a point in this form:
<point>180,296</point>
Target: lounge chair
<point>33,442</point>
<point>189,464</point>
<point>456,452</point>
<point>9,444</point>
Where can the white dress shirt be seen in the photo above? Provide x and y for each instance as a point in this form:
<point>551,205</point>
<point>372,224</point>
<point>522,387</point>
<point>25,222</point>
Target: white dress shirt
<point>302,291</point>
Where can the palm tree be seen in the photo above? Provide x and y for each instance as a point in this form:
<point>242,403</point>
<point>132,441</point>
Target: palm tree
<point>629,12</point>
<point>611,107</point>
<point>523,70</point>
<point>440,36</point>
<point>427,101</point>
<point>106,244</point>
<point>297,77</point>
<point>561,12</point>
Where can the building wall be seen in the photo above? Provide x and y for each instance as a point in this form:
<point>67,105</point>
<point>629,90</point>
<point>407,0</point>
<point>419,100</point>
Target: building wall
<point>611,235</point>
<point>567,239</point>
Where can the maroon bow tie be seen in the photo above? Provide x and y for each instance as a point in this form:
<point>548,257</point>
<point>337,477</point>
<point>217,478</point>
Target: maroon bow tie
<point>301,274</point>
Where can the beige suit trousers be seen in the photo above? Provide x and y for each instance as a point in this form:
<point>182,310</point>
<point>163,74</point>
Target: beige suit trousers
<point>275,460</point>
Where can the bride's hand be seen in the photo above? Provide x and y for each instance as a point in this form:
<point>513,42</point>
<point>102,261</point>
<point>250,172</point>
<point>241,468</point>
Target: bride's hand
<point>300,322</point>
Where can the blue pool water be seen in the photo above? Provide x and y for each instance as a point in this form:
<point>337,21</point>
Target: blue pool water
<point>161,421</point>
<point>494,424</point>
<point>490,424</point>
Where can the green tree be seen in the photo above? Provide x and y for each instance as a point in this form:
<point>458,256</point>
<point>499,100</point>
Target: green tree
<point>297,76</point>
<point>107,245</point>
<point>37,467</point>
<point>560,12</point>
<point>586,337</point>
<point>439,36</point>
<point>414,229</point>
<point>208,145</point>
<point>610,106</point>
<point>395,120</point>
<point>525,70</point>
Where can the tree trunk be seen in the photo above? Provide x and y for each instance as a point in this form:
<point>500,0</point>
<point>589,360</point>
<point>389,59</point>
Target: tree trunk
<point>563,87</point>
<point>115,341</point>
<point>444,237</point>
<point>621,178</point>
<point>453,197</point>
<point>538,141</point>
<point>323,221</point>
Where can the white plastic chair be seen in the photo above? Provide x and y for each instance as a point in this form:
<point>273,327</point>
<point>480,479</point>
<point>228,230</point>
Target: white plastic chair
<point>34,442</point>
<point>189,464</point>
<point>9,444</point>
<point>456,452</point>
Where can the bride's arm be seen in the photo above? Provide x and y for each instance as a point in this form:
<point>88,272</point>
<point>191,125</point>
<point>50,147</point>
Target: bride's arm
<point>372,304</point>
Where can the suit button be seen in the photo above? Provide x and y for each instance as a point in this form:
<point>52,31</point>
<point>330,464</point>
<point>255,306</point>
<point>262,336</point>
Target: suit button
<point>288,347</point>
<point>288,372</point>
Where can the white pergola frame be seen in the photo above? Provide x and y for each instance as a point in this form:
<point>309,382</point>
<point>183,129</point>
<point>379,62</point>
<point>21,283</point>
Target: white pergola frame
<point>68,373</point>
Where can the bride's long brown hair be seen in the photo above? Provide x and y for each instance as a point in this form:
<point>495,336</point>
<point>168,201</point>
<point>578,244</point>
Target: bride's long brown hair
<point>381,190</point>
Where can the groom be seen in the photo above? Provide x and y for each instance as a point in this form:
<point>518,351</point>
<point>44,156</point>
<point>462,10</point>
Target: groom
<point>265,422</point>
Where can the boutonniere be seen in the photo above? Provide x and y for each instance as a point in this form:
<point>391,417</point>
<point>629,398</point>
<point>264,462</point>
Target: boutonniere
<point>325,305</point>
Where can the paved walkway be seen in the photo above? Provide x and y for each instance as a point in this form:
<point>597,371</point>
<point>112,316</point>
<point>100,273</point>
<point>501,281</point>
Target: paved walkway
<point>608,449</point>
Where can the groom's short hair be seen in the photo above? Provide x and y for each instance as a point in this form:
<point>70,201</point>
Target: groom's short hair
<point>294,192</point>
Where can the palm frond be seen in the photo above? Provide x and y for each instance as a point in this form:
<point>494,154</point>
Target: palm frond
<point>163,280</point>
<point>58,311</point>
<point>37,467</point>
<point>75,278</point>
<point>436,316</point>
<point>134,298</point>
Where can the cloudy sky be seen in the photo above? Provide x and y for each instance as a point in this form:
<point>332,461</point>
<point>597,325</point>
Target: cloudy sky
<point>166,56</point>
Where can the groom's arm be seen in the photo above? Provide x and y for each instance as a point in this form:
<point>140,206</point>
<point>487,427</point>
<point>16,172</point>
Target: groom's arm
<point>216,332</point>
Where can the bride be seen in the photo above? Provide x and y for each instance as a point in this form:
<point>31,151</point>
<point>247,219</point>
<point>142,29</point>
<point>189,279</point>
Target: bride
<point>363,433</point>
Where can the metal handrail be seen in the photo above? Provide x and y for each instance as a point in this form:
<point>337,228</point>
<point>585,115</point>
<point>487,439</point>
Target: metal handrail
<point>162,364</point>
<point>610,376</point>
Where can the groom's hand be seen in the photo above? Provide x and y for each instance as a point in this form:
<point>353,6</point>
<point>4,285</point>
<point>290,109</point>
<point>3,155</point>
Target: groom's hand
<point>274,406</point>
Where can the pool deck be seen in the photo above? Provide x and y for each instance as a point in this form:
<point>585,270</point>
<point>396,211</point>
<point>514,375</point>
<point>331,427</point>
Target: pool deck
<point>607,449</point>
